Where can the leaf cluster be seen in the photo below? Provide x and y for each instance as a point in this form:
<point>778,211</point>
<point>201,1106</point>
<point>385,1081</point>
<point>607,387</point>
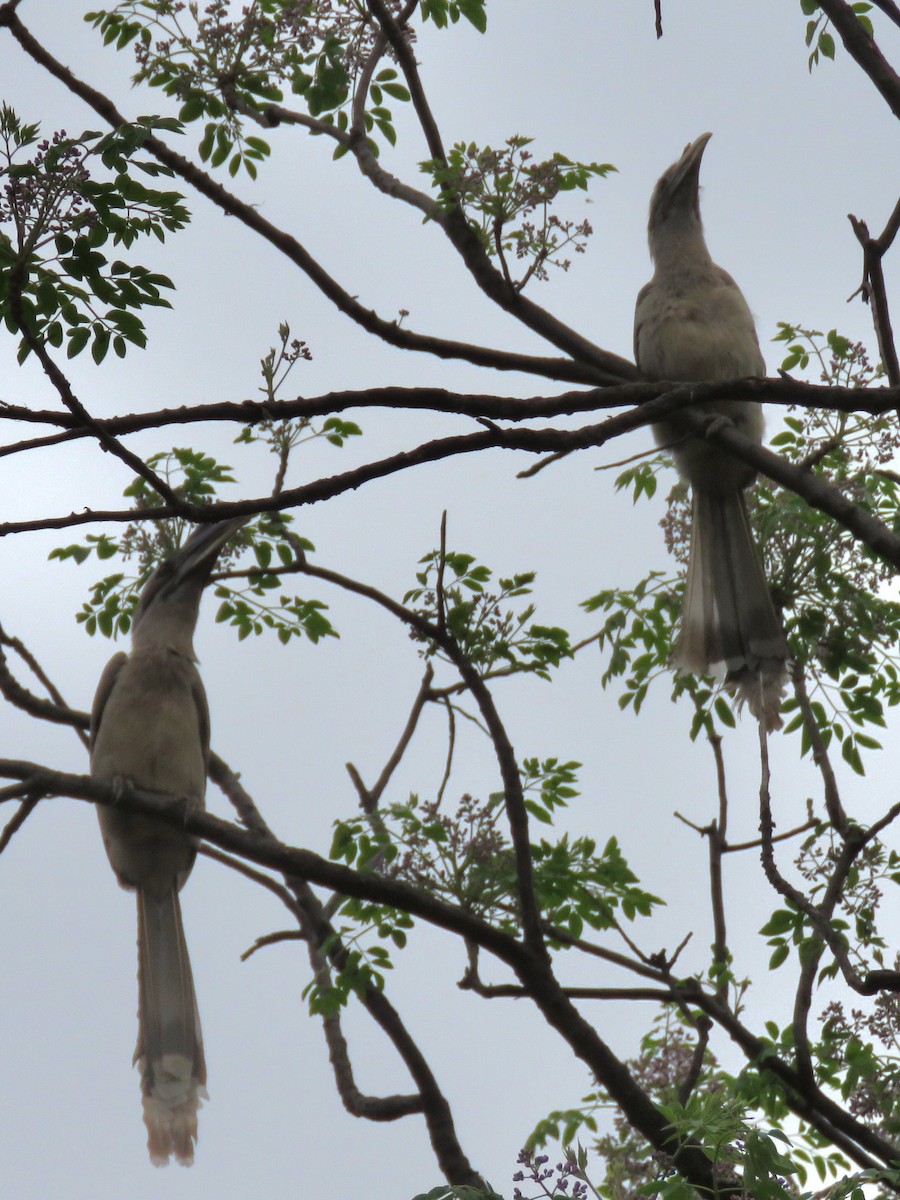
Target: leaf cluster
<point>461,856</point>
<point>817,28</point>
<point>283,436</point>
<point>465,856</point>
<point>858,1057</point>
<point>860,898</point>
<point>224,66</point>
<point>452,592</point>
<point>61,208</point>
<point>362,958</point>
<point>461,1191</point>
<point>507,198</point>
<point>736,1119</point>
<point>109,610</point>
<point>250,607</point>
<point>448,12</point>
<point>843,627</point>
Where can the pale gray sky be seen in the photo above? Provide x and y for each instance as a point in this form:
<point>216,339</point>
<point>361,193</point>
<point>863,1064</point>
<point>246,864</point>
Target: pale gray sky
<point>792,154</point>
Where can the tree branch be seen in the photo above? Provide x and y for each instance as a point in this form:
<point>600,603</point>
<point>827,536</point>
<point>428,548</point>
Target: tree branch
<point>608,368</point>
<point>373,795</point>
<point>890,10</point>
<point>783,392</point>
<point>874,290</point>
<point>716,833</point>
<point>63,388</point>
<point>814,490</point>
<point>863,50</point>
<point>326,947</point>
<point>21,815</point>
<point>393,33</point>
<point>819,916</point>
<point>861,1145</point>
<point>506,759</point>
<point>55,709</point>
<point>833,805</point>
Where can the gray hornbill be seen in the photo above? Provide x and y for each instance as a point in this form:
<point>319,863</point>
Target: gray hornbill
<point>692,323</point>
<point>150,730</point>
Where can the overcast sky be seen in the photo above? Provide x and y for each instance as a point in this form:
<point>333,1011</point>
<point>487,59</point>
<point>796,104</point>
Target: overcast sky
<point>792,154</point>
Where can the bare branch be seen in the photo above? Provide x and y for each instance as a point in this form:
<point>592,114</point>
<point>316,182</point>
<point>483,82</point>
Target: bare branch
<point>451,746</point>
<point>716,834</point>
<point>738,847</point>
<point>695,1067</point>
<point>373,1108</point>
<point>504,991</point>
<point>21,815</point>
<point>875,294</point>
<point>64,389</point>
<point>55,709</point>
<point>833,805</point>
<point>786,391</point>
<point>319,933</point>
<point>862,48</point>
<point>375,793</point>
<point>271,939</point>
<point>820,915</point>
<point>890,10</point>
<point>816,491</point>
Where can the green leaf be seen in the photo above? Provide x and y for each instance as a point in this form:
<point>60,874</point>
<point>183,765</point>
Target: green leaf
<point>223,148</point>
<point>397,90</point>
<point>192,109</point>
<point>100,344</point>
<point>724,712</point>
<point>473,11</point>
<point>780,954</point>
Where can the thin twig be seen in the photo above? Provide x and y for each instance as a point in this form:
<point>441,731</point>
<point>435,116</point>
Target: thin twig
<point>451,746</point>
<point>820,916</point>
<point>440,600</point>
<point>833,805</point>
<point>756,843</point>
<point>54,710</point>
<point>21,815</point>
<point>422,696</point>
<point>717,840</point>
<point>698,1058</point>
<point>273,939</point>
<point>875,293</point>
